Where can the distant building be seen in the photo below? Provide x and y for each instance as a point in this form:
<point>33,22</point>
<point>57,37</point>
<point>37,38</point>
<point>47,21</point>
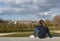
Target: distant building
<point>24,22</point>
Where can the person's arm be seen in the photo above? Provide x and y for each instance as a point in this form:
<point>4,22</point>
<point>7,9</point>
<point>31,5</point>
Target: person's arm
<point>49,34</point>
<point>35,31</point>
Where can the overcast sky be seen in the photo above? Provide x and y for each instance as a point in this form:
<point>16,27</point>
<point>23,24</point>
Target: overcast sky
<point>29,9</point>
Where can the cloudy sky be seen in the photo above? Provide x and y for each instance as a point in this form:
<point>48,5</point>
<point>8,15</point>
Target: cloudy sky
<point>29,9</point>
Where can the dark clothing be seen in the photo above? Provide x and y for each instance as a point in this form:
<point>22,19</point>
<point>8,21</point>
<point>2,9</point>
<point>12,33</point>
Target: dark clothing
<point>42,31</point>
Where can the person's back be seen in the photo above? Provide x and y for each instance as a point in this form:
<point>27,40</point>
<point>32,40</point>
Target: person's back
<point>42,32</point>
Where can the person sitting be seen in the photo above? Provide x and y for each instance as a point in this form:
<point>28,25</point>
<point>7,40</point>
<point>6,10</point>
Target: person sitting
<point>42,30</point>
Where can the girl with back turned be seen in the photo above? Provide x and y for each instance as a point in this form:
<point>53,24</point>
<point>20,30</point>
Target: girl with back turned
<point>42,30</point>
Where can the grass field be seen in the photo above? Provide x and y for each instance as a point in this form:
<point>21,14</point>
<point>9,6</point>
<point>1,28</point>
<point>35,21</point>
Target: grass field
<point>21,34</point>
<point>18,34</point>
<point>53,31</point>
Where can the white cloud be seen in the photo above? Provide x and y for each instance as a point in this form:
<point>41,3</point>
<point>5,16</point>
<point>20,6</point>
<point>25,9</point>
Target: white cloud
<point>18,9</point>
<point>38,7</point>
<point>21,1</point>
<point>53,15</point>
<point>3,9</point>
<point>45,13</point>
<point>14,1</point>
<point>7,1</point>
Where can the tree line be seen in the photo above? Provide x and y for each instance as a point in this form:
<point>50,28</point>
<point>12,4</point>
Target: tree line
<point>5,27</point>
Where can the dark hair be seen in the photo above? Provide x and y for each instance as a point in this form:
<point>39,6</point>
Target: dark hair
<point>42,23</point>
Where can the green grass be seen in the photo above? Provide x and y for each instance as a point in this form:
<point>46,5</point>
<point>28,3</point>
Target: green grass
<point>23,34</point>
<point>20,34</point>
<point>28,33</point>
<point>54,28</point>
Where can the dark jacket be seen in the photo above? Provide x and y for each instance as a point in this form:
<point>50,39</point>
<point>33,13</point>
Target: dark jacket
<point>43,32</point>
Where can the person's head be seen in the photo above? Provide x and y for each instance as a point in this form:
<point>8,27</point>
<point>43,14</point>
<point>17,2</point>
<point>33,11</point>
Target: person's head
<point>41,22</point>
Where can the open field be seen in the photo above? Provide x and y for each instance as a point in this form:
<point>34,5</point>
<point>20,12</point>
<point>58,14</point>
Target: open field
<point>25,34</point>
